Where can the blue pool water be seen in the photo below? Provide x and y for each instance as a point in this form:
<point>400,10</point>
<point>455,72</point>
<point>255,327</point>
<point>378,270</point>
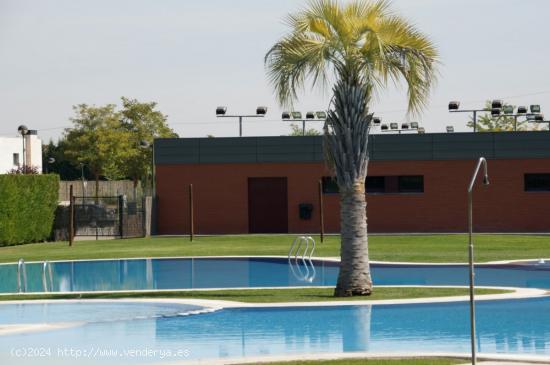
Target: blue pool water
<point>188,273</point>
<point>509,326</point>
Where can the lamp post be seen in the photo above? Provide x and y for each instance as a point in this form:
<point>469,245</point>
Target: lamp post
<point>310,117</point>
<point>482,161</point>
<point>23,131</point>
<point>49,162</point>
<point>261,111</point>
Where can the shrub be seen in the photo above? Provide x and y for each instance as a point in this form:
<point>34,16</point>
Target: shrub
<point>27,207</point>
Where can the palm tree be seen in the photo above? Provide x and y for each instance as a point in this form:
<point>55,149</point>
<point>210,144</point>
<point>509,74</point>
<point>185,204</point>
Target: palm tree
<point>362,45</point>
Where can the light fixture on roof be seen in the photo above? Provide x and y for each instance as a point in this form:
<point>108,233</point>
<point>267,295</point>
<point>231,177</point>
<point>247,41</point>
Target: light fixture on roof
<point>394,126</point>
<point>221,111</point>
<point>454,105</point>
<point>450,129</point>
<point>421,130</point>
<point>405,126</point>
<point>539,118</point>
<point>495,112</point>
<point>384,127</point>
<point>508,109</point>
<point>376,121</point>
<point>497,104</point>
<point>285,115</point>
<point>296,115</point>
<point>414,125</point>
<point>535,109</point>
<point>522,110</point>
<point>321,115</point>
<point>310,115</point>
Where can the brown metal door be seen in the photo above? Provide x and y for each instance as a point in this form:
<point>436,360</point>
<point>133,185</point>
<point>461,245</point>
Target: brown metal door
<point>267,205</point>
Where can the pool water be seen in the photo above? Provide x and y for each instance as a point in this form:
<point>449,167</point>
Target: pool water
<point>187,273</point>
<point>507,326</point>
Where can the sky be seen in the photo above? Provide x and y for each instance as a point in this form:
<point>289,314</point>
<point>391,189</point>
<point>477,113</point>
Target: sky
<point>191,56</point>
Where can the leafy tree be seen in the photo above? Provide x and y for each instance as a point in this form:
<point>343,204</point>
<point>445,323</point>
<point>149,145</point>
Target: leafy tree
<point>296,131</point>
<point>364,45</point>
<point>504,123</point>
<point>143,123</point>
<point>62,166</point>
<point>98,140</point>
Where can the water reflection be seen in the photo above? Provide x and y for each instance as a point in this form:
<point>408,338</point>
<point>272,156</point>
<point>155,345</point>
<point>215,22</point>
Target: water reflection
<point>148,274</point>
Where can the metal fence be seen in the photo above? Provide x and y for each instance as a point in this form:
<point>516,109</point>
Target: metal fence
<point>105,216</point>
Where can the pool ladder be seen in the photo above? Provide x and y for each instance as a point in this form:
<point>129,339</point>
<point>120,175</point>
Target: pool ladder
<point>296,254</point>
<point>47,276</point>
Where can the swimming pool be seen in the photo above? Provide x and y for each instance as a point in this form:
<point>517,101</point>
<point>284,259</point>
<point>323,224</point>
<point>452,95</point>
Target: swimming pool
<point>504,326</point>
<point>198,273</point>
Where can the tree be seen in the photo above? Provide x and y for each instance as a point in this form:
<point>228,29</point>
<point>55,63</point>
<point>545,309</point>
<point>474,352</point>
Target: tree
<point>98,140</point>
<point>297,131</point>
<point>143,123</point>
<point>504,123</point>
<point>62,166</point>
<point>363,45</point>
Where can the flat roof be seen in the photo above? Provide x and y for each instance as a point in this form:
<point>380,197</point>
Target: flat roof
<point>388,147</point>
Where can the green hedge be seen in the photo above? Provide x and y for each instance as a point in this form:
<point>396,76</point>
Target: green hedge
<point>27,207</point>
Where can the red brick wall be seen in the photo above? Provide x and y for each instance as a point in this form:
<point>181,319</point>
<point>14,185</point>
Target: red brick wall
<point>221,202</point>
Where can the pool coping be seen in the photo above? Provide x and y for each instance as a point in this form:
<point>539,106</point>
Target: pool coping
<point>534,359</point>
<point>333,259</point>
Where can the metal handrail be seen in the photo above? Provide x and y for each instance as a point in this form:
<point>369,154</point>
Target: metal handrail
<point>21,271</point>
<point>482,161</point>
<point>47,274</point>
<point>305,256</point>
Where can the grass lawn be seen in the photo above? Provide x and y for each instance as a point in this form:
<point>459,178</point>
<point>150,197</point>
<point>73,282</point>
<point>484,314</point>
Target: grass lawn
<point>437,248</point>
<point>374,362</point>
<point>269,295</point>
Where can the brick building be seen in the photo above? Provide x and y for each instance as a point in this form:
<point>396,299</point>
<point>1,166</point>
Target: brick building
<point>416,183</point>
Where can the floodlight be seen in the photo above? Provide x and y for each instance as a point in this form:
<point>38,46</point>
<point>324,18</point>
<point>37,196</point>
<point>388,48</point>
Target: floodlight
<point>261,110</point>
<point>414,125</point>
<point>394,125</point>
<point>296,115</point>
<point>384,127</point>
<point>522,110</point>
<point>310,115</point>
<point>421,130</point>
<point>535,109</point>
<point>450,129</point>
<point>376,121</point>
<point>221,110</point>
<point>321,115</point>
<point>508,109</point>
<point>454,105</point>
<point>495,112</point>
<point>531,117</point>
<point>539,118</point>
<point>405,126</point>
<point>285,115</point>
<point>22,129</point>
<point>497,104</point>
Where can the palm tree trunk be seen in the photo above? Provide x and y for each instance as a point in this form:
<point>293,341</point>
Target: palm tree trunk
<point>354,277</point>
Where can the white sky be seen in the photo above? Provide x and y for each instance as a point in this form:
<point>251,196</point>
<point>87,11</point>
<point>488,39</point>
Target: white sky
<point>190,56</point>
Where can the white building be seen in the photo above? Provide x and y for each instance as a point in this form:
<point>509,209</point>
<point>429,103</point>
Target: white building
<point>13,154</point>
